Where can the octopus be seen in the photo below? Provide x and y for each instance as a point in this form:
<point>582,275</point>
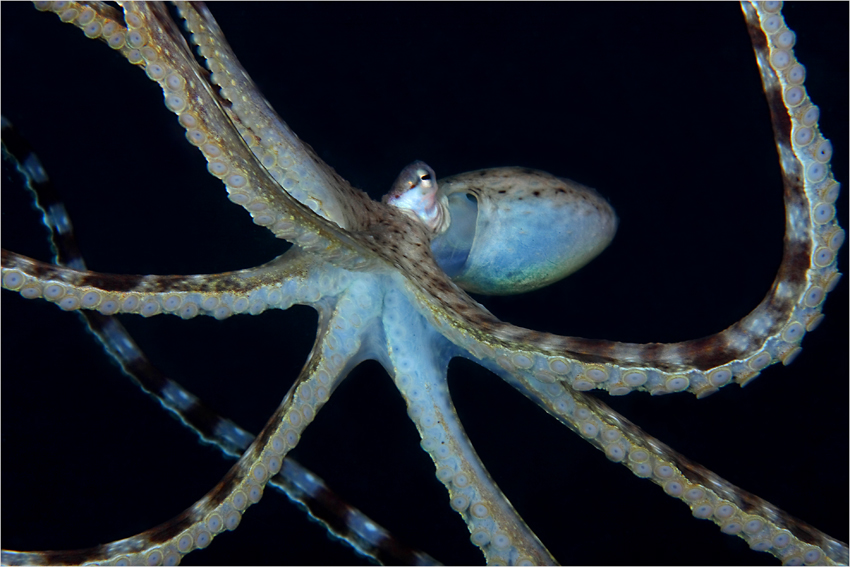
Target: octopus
<point>660,108</point>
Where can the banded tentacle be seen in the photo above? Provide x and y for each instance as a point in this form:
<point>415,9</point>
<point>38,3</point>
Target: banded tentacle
<point>299,484</point>
<point>293,278</point>
<point>337,347</point>
<point>737,512</point>
<point>417,362</point>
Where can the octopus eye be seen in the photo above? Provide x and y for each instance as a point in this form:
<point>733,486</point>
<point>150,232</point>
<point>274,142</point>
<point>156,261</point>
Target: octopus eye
<point>415,191</point>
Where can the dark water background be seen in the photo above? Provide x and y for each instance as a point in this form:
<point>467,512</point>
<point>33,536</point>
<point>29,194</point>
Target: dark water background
<point>659,107</point>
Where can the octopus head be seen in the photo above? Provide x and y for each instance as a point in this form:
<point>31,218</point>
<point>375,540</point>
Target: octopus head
<point>511,230</point>
<point>505,230</point>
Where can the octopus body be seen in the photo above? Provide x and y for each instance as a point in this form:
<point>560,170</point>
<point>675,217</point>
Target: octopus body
<point>667,120</point>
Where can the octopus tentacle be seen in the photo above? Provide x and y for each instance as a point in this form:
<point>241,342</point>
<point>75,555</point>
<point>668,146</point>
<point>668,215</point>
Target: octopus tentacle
<point>152,40</point>
<point>737,512</point>
<point>293,163</point>
<point>417,362</point>
<point>292,278</point>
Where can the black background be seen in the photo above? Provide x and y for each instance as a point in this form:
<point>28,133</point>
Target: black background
<point>659,107</point>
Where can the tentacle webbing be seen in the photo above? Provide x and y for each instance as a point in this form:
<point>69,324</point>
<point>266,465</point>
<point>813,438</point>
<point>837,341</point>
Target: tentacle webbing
<point>418,367</point>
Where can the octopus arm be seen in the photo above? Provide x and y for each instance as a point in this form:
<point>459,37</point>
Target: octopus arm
<point>291,278</point>
<point>151,40</point>
<point>735,511</point>
<point>293,163</point>
<point>417,358</point>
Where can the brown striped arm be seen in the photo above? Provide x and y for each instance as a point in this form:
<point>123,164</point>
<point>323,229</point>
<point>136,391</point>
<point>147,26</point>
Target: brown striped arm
<point>291,278</point>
